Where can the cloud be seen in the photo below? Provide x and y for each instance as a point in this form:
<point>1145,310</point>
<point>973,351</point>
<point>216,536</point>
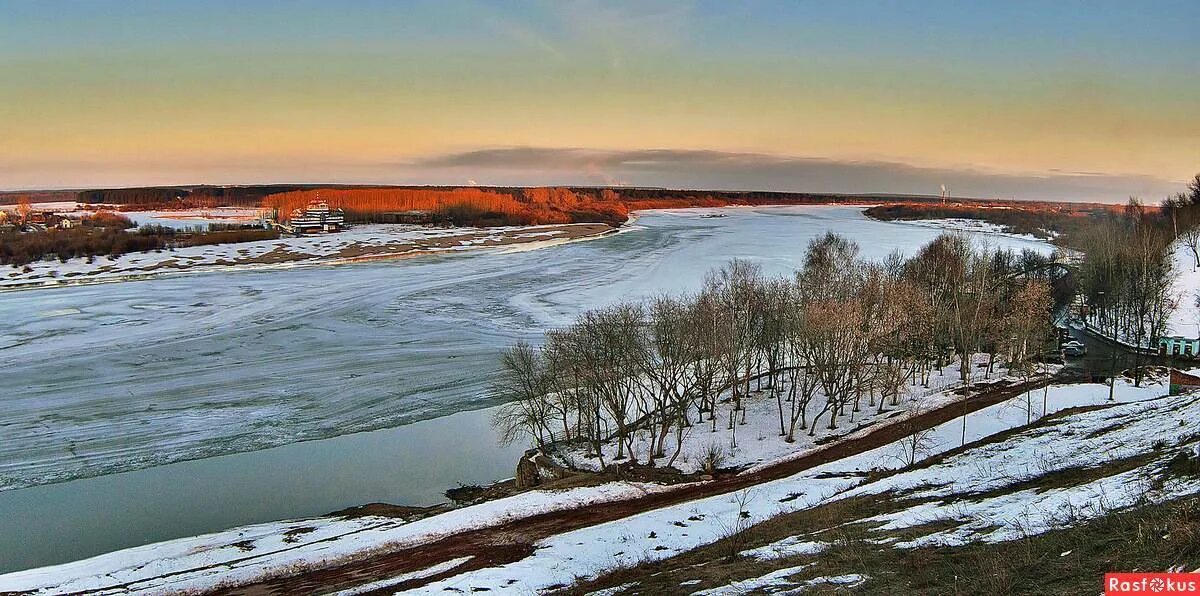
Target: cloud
<point>762,171</point>
<point>666,168</point>
<point>623,30</point>
<point>520,33</point>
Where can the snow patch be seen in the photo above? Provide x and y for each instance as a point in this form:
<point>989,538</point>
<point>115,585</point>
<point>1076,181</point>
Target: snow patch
<point>787,547</point>
<point>774,579</point>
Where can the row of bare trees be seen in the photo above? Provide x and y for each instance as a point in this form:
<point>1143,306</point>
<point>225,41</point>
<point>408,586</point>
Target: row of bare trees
<point>1126,276</point>
<point>841,335</point>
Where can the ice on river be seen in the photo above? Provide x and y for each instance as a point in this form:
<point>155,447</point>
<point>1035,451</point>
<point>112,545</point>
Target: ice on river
<point>119,376</point>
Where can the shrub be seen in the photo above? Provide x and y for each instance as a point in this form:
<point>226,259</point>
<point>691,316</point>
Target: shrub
<point>714,458</point>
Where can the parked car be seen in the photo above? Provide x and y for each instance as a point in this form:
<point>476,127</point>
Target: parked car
<point>1050,356</point>
<point>1074,348</point>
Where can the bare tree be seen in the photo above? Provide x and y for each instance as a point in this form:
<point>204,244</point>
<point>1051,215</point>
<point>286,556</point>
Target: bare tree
<point>1026,321</point>
<point>802,382</point>
<point>830,287</point>
<point>671,351</point>
<point>731,533</point>
<point>736,290</point>
<point>524,386</point>
<point>915,446</point>
<point>772,331</point>
<point>1191,239</point>
<point>24,209</point>
<point>611,345</point>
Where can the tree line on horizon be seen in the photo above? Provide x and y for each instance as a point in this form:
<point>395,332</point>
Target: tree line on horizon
<point>485,206</point>
<point>461,206</point>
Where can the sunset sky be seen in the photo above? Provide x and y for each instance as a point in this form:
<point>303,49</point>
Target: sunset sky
<point>1058,100</point>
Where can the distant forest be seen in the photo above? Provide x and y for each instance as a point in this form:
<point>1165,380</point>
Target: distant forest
<point>253,195</point>
<point>490,206</point>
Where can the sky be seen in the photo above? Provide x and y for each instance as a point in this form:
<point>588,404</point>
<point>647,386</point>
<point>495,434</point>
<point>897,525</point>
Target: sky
<point>1074,100</point>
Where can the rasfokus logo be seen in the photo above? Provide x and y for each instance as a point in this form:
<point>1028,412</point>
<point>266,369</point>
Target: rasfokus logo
<point>1151,583</point>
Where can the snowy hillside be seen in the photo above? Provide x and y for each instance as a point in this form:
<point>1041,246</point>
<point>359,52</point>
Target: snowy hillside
<point>669,531</point>
<point>1137,462</point>
<point>1185,319</point>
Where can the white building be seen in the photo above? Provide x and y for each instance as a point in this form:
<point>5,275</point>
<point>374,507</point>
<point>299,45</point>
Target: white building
<point>317,217</point>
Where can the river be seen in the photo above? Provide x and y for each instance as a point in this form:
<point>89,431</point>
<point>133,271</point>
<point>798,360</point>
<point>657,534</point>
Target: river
<point>146,410</point>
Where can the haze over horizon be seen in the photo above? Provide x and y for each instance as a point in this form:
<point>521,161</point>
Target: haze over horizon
<point>1012,100</point>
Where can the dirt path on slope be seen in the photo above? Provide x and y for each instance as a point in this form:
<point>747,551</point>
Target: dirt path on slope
<point>515,540</point>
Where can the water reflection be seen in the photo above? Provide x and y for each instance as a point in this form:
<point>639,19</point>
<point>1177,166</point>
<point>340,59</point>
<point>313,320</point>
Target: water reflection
<point>409,465</point>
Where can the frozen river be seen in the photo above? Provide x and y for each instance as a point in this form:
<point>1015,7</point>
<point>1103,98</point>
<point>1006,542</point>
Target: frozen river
<point>107,383</point>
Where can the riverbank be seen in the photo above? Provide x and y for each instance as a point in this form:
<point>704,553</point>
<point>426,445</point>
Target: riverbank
<point>361,243</point>
<point>1050,222</point>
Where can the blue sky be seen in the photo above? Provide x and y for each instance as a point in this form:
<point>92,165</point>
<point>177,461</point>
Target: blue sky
<point>124,93</point>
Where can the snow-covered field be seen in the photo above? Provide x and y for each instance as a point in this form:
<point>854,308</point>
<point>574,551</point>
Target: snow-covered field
<point>111,377</point>
<point>55,206</point>
<point>780,581</point>
<point>169,218</point>
<point>264,550</point>
<point>195,217</point>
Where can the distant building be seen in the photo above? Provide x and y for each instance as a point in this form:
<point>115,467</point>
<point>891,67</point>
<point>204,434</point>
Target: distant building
<point>40,221</point>
<point>1178,346</point>
<point>1182,382</point>
<point>317,217</point>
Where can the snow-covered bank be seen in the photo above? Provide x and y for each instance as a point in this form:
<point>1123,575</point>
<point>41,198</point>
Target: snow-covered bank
<point>357,244</point>
<point>954,224</point>
<point>1136,465</point>
<point>254,552</point>
<point>194,217</point>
